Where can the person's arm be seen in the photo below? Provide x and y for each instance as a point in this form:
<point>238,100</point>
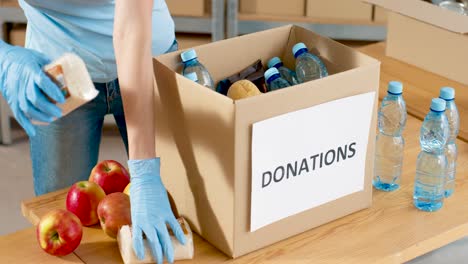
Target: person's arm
<point>150,207</point>
<point>132,44</point>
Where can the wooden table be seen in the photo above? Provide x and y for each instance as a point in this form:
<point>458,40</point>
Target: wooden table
<point>21,247</point>
<point>391,231</point>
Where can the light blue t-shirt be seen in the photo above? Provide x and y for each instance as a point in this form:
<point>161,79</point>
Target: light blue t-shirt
<point>85,27</point>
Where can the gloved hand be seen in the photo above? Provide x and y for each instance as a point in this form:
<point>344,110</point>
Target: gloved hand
<point>24,85</point>
<point>151,211</point>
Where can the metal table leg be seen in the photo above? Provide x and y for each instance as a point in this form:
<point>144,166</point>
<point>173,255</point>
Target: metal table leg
<point>232,16</point>
<point>5,129</point>
<point>213,25</point>
<point>217,19</point>
<point>7,14</point>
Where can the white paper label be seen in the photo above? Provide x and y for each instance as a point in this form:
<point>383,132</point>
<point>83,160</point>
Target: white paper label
<point>310,157</point>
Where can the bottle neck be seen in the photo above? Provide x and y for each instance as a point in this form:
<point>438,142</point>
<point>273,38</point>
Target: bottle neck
<point>191,62</point>
<point>272,78</point>
<point>278,65</point>
<point>450,103</point>
<point>394,96</point>
<point>448,100</point>
<point>300,52</point>
<point>435,113</point>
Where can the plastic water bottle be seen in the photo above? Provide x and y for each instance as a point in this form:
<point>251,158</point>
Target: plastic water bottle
<point>431,166</point>
<point>274,80</point>
<point>308,66</point>
<point>192,76</point>
<point>390,143</point>
<point>454,6</point>
<point>451,150</point>
<point>191,64</point>
<point>285,73</point>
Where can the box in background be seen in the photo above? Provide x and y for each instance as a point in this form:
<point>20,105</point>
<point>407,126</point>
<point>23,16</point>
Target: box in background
<point>205,138</point>
<point>339,10</point>
<point>380,14</point>
<point>9,3</point>
<point>186,7</point>
<point>427,36</point>
<point>186,40</point>
<point>273,7</point>
<point>17,35</point>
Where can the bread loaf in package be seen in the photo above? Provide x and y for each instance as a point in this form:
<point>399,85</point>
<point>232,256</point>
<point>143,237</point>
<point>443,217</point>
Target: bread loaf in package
<point>71,76</point>
<point>181,252</point>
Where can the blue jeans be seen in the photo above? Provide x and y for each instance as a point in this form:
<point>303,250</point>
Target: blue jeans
<point>66,150</point>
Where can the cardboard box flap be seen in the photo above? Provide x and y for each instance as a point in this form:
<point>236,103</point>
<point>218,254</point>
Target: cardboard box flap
<point>432,14</point>
<point>222,64</point>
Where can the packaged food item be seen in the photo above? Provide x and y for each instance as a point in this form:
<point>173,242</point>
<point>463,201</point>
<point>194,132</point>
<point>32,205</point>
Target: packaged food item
<point>253,73</point>
<point>181,252</point>
<point>71,76</point>
<point>242,89</point>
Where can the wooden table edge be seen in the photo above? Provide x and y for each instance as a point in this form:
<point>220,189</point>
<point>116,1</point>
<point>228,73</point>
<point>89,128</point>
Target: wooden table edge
<point>431,244</point>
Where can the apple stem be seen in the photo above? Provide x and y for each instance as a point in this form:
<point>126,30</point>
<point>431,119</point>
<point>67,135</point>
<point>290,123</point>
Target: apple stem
<point>55,236</point>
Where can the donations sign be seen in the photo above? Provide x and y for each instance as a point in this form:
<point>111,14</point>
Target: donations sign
<point>309,157</point>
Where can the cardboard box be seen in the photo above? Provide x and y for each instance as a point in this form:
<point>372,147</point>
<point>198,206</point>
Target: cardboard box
<point>9,3</point>
<point>339,9</point>
<point>18,35</point>
<point>186,8</point>
<point>273,7</point>
<point>208,142</point>
<point>187,41</point>
<point>427,36</point>
<point>380,15</point>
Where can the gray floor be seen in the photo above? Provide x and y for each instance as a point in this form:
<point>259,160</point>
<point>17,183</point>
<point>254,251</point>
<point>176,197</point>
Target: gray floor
<point>16,185</point>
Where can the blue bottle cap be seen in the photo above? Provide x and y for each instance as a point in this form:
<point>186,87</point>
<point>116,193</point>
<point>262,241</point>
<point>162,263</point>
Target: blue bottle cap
<point>188,55</point>
<point>270,72</point>
<point>273,62</point>
<point>395,87</point>
<point>447,93</point>
<point>438,105</point>
<point>192,76</point>
<point>298,47</point>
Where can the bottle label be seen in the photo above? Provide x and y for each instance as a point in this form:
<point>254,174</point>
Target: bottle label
<point>56,75</point>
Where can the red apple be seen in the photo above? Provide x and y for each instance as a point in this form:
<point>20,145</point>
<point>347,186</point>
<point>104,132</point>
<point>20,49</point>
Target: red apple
<point>110,175</point>
<point>59,232</point>
<point>114,212</point>
<point>83,199</point>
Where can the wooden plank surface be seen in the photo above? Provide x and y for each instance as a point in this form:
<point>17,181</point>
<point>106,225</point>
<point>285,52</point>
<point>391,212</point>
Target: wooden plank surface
<point>22,247</point>
<point>420,86</point>
<point>391,231</point>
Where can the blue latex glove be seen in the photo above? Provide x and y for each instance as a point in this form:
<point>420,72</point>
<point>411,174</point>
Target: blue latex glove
<point>151,211</point>
<point>24,85</point>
